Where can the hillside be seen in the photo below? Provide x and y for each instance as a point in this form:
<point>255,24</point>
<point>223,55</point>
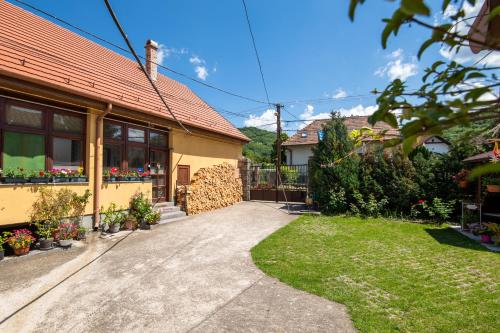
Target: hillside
<point>261,147</point>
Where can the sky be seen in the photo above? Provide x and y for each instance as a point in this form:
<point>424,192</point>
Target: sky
<point>314,59</point>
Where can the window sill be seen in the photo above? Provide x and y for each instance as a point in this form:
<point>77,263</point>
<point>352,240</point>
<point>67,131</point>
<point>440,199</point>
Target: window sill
<point>126,181</point>
<point>42,184</point>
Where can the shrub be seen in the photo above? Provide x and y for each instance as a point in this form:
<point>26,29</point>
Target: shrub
<point>112,215</point>
<point>140,206</point>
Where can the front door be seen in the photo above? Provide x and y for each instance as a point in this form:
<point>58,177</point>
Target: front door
<point>158,165</point>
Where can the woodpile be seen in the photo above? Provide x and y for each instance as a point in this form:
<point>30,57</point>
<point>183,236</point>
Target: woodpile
<point>211,188</point>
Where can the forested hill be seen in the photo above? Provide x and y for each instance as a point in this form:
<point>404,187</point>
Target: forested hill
<point>261,147</point>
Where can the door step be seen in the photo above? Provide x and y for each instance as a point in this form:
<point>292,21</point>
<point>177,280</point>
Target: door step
<point>169,212</point>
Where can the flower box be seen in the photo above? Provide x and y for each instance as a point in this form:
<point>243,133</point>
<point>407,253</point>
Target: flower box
<point>14,180</point>
<point>145,179</point>
<point>133,179</point>
<point>493,188</point>
<point>81,179</point>
<point>39,180</point>
<point>60,179</point>
<point>109,179</point>
<point>123,179</point>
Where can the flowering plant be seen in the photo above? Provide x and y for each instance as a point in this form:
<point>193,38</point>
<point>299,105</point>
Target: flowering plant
<point>67,231</point>
<point>3,238</point>
<point>112,172</point>
<point>15,173</point>
<point>20,239</point>
<point>60,173</point>
<point>77,173</point>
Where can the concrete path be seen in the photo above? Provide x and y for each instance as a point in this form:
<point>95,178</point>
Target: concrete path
<point>190,276</point>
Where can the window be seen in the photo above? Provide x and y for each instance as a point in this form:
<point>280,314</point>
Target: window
<point>136,157</point>
<point>112,156</point>
<point>303,135</point>
<point>112,131</point>
<point>157,139</point>
<point>136,135</point>
<point>38,138</point>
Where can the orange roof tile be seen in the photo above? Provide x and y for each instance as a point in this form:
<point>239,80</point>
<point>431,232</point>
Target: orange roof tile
<point>37,50</point>
<point>308,135</point>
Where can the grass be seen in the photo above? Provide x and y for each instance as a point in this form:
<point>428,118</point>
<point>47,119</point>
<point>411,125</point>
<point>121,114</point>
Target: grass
<point>393,276</point>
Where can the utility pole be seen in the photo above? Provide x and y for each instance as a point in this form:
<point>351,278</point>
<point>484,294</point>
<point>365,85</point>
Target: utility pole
<point>278,148</point>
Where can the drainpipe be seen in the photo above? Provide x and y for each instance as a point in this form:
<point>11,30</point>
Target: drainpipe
<point>98,165</point>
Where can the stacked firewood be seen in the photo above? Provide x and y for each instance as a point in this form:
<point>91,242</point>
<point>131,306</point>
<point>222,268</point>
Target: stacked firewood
<point>211,188</point>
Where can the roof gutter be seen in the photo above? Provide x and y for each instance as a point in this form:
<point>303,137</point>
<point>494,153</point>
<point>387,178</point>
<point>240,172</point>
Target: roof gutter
<point>98,165</point>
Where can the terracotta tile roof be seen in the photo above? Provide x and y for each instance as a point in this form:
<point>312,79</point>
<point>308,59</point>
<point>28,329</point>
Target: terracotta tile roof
<point>37,50</point>
<point>309,134</point>
<point>483,157</point>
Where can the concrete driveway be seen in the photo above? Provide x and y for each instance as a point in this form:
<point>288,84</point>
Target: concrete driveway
<point>190,276</point>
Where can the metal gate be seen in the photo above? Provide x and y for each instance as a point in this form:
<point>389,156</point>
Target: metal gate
<point>293,183</point>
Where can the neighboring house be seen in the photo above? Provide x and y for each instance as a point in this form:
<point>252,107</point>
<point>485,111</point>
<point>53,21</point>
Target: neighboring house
<point>67,102</point>
<point>299,146</point>
<point>436,144</point>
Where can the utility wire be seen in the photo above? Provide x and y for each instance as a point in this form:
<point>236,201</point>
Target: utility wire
<point>256,52</point>
<point>141,57</point>
<point>124,35</point>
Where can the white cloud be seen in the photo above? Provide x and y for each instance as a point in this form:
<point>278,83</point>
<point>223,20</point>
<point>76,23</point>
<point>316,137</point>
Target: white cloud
<point>267,120</point>
<point>359,110</point>
<point>396,68</point>
<point>201,72</point>
<point>195,60</point>
<point>165,52</point>
<point>339,93</point>
<point>308,116</point>
<point>464,54</point>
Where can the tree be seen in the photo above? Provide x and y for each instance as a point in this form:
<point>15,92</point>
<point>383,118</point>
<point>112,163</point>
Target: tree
<point>451,95</point>
<point>284,137</point>
<point>261,148</point>
<point>334,167</point>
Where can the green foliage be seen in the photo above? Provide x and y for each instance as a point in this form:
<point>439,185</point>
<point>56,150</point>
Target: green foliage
<point>113,215</point>
<point>333,175</point>
<point>369,207</point>
<point>140,206</point>
<point>260,149</point>
<point>438,210</point>
<point>3,238</point>
<point>289,174</point>
<point>284,137</point>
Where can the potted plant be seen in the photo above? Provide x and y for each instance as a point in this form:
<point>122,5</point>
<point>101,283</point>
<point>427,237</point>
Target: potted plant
<point>60,175</point>
<point>14,176</point>
<point>140,207</point>
<point>45,230</point>
<point>130,223</point>
<point>20,241</point>
<point>461,178</point>
<point>77,176</point>
<point>492,184</point>
<point>67,231</point>
<point>133,176</point>
<point>3,238</point>
<point>144,175</point>
<point>152,217</point>
<point>40,177</point>
<point>81,233</point>
<point>494,231</point>
<point>111,174</point>
<point>113,218</point>
<point>123,176</point>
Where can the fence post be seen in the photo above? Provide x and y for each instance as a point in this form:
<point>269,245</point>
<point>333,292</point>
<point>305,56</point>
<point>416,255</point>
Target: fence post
<point>245,174</point>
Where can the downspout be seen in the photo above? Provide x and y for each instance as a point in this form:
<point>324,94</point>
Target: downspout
<point>98,165</point>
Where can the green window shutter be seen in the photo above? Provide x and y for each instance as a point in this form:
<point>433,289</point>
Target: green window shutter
<point>23,150</point>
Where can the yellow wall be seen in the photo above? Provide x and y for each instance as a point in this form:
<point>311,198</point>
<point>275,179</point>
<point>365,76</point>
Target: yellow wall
<point>197,151</point>
<point>200,152</point>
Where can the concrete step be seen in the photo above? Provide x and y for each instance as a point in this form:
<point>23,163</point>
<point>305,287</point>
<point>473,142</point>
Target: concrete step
<point>172,220</point>
<point>167,209</point>
<point>164,204</point>
<point>172,215</point>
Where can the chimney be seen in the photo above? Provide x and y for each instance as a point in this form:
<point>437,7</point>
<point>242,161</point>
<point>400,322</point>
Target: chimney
<point>151,67</point>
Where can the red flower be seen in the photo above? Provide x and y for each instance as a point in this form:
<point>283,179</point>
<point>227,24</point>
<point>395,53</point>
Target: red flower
<point>114,170</point>
<point>421,202</point>
<point>42,173</point>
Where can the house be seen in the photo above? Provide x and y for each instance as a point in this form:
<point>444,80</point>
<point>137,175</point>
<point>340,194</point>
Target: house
<point>67,102</point>
<point>299,146</point>
<point>436,144</point>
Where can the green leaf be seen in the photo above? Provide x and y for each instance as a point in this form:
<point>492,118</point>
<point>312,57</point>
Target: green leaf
<point>484,169</point>
<point>474,75</point>
<point>494,13</point>
<point>446,3</point>
<point>409,143</point>
<point>424,46</point>
<point>412,7</point>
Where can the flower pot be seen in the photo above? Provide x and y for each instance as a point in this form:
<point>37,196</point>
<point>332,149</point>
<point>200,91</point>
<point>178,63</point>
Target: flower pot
<point>133,179</point>
<point>493,188</point>
<point>46,244</point>
<point>14,180</point>
<point>78,179</point>
<point>2,254</point>
<point>145,179</point>
<point>462,184</point>
<point>123,179</point>
<point>39,180</point>
<point>22,251</point>
<point>65,242</point>
<point>110,179</point>
<point>60,179</point>
<point>129,224</point>
<point>114,228</point>
<point>144,225</point>
<point>485,238</point>
<point>81,235</point>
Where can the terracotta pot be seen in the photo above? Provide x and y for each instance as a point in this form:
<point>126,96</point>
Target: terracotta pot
<point>462,184</point>
<point>129,224</point>
<point>22,251</point>
<point>493,188</point>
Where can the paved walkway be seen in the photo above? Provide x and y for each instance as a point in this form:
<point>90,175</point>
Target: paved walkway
<point>190,276</point>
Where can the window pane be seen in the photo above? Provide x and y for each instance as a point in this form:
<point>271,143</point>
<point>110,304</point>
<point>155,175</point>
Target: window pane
<point>112,156</point>
<point>19,116</point>
<point>25,151</point>
<point>157,139</point>
<point>67,153</point>
<point>135,135</point>
<point>112,131</point>
<point>136,158</point>
<point>67,123</point>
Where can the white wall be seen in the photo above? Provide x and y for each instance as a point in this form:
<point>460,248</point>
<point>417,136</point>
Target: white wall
<point>437,147</point>
<point>299,154</point>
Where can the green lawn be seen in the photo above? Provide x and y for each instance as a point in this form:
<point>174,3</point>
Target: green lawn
<point>393,276</point>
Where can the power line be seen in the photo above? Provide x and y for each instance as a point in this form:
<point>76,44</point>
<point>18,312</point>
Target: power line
<point>141,57</point>
<point>256,52</point>
<point>124,35</point>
